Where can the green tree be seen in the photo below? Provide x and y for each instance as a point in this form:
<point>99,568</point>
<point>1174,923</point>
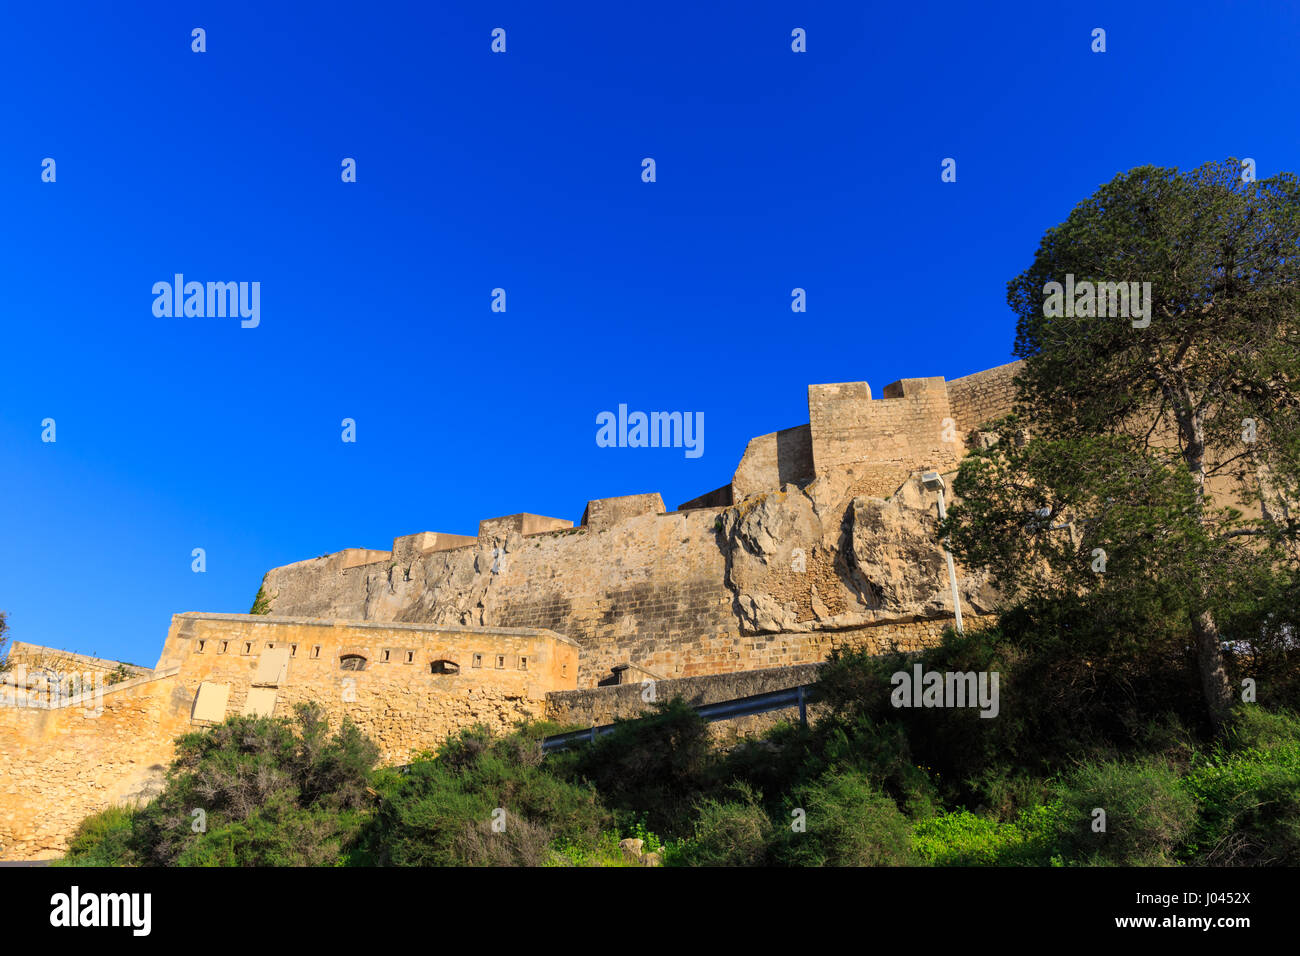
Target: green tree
<point>1206,383</point>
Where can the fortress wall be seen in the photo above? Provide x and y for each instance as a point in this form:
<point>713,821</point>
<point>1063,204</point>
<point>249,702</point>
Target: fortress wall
<point>730,652</point>
<point>904,429</point>
<point>773,460</point>
<point>626,592</point>
<point>33,656</point>
<point>602,513</point>
<point>651,590</point>
<point>717,498</point>
<point>426,541</point>
<point>66,762</point>
<point>403,706</point>
<point>737,666</point>
<point>982,397</point>
<point>523,523</point>
<point>321,588</point>
<point>61,765</point>
<point>635,591</point>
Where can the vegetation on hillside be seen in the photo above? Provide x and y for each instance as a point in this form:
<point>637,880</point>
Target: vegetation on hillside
<point>866,785</point>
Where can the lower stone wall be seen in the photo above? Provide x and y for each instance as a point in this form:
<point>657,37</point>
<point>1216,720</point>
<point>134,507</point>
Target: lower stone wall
<point>604,705</point>
<point>721,668</point>
<point>731,652</point>
<point>501,676</point>
<point>61,765</point>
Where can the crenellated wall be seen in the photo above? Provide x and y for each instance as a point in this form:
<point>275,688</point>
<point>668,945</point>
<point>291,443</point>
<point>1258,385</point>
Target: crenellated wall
<point>633,585</point>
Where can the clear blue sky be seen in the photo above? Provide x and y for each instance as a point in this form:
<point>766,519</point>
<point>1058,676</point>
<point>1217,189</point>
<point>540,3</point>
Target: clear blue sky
<point>522,171</point>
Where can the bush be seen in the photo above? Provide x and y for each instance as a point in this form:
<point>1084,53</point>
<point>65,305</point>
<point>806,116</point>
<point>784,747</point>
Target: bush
<point>103,839</point>
<point>1148,814</point>
<point>848,823</point>
<point>727,833</point>
<point>962,838</point>
<point>652,769</point>
<point>253,791</point>
<point>441,811</point>
<point>1248,790</point>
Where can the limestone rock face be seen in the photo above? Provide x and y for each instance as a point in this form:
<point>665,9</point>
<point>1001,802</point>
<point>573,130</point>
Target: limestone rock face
<point>440,588</point>
<point>795,568</point>
<point>771,540</point>
<point>896,549</point>
<point>772,527</point>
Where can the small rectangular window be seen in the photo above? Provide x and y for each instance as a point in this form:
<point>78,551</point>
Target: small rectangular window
<point>410,657</point>
<point>387,652</point>
<point>270,646</point>
<point>501,661</point>
<point>523,663</point>
<point>225,646</point>
<point>248,647</point>
<point>293,650</point>
<point>478,661</point>
<point>199,649</point>
<point>315,651</point>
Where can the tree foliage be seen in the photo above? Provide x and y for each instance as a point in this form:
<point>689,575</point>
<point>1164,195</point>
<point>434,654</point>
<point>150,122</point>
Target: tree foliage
<point>1130,420</point>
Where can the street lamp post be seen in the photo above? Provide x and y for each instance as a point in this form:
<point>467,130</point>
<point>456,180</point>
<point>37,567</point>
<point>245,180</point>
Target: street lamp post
<point>934,481</point>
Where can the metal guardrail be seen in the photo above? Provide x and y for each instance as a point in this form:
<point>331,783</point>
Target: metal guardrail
<point>722,710</point>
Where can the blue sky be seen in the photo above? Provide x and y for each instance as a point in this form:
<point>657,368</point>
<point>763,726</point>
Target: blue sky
<point>522,171</point>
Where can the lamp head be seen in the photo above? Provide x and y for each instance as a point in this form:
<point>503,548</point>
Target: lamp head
<point>932,480</point>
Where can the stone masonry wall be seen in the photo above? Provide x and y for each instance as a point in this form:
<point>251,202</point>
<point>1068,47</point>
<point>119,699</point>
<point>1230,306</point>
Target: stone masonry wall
<point>982,397</point>
<point>605,705</point>
<point>905,428</point>
<point>503,674</point>
<point>773,460</point>
<point>632,591</point>
<point>63,763</point>
<point>60,765</point>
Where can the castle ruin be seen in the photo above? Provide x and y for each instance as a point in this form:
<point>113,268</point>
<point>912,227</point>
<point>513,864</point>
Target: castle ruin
<point>824,538</point>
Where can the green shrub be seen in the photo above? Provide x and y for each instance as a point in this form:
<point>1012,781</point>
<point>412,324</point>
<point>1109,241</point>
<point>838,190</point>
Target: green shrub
<point>442,810</point>
<point>605,851</point>
<point>262,602</point>
<point>652,769</point>
<point>1248,792</point>
<point>848,822</point>
<point>249,776</point>
<point>277,834</point>
<point>1148,814</point>
<point>102,839</point>
<point>727,833</point>
<point>961,838</point>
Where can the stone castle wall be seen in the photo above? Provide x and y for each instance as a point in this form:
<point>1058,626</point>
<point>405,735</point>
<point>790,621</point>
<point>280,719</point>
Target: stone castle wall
<point>501,675</point>
<point>634,585</point>
<point>595,706</point>
<point>66,759</point>
<point>62,764</point>
<point>983,397</point>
